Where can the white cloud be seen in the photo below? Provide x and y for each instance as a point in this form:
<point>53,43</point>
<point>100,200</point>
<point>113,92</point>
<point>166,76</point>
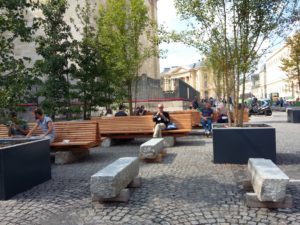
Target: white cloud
<point>166,13</point>
<point>178,54</point>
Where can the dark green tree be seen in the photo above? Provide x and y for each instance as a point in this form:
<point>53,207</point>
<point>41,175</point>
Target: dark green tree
<point>121,24</point>
<point>15,79</point>
<point>55,48</point>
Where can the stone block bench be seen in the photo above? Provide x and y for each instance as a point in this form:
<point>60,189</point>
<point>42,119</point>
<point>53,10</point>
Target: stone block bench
<point>269,183</point>
<point>152,149</point>
<point>110,183</point>
<point>293,115</point>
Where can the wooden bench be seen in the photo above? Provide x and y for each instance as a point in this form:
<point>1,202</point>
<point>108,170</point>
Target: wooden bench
<point>141,126</point>
<point>80,134</point>
<point>3,131</point>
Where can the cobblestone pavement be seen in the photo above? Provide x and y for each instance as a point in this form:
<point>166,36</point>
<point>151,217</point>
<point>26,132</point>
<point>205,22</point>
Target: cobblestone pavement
<point>185,188</point>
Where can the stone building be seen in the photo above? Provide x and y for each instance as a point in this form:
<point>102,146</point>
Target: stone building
<point>196,75</point>
<point>271,80</point>
<point>150,66</point>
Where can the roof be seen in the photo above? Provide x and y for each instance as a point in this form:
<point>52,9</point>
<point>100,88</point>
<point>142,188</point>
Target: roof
<point>174,69</point>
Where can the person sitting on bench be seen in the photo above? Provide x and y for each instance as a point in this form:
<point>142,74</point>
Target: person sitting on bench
<point>45,123</point>
<point>121,111</point>
<point>17,127</point>
<point>206,118</point>
<point>161,118</point>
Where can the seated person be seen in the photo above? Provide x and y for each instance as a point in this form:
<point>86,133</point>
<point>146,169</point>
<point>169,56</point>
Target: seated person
<point>161,118</point>
<point>222,113</point>
<point>142,111</point>
<point>18,127</point>
<point>45,124</point>
<point>137,111</point>
<point>206,118</point>
<point>121,111</point>
<point>109,113</point>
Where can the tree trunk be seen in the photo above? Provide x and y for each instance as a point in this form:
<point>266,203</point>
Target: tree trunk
<point>298,76</point>
<point>130,97</point>
<point>241,116</point>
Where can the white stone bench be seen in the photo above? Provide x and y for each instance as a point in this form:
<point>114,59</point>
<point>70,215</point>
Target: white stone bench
<point>269,183</point>
<point>152,148</point>
<point>109,184</point>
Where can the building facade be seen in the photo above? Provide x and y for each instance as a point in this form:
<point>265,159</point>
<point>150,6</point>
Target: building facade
<point>196,75</point>
<point>271,80</point>
<point>149,67</point>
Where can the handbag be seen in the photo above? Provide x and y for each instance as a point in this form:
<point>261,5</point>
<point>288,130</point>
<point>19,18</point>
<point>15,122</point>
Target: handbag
<point>171,126</point>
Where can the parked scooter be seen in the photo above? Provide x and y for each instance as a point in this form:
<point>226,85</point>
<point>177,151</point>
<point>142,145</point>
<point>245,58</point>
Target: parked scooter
<point>261,107</point>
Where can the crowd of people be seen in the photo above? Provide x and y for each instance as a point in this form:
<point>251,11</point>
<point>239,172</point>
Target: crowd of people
<point>161,118</point>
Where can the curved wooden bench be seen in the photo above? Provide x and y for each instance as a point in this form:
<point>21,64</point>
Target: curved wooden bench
<point>80,134</point>
<point>141,126</point>
<point>3,131</point>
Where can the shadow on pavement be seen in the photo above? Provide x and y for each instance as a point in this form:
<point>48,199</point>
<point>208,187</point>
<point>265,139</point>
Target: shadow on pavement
<point>288,158</point>
<point>182,143</point>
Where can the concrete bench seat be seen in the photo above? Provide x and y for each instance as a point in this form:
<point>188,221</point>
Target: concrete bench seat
<point>269,183</point>
<point>110,182</point>
<point>152,149</point>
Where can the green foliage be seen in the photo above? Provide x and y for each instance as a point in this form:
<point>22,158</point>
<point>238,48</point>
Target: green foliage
<point>92,84</point>
<point>54,46</point>
<point>232,35</point>
<point>121,25</point>
<point>15,79</point>
<point>291,65</point>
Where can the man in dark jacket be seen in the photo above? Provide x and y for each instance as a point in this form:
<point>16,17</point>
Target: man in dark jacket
<point>206,118</point>
<point>195,103</point>
<point>121,111</point>
<point>161,118</point>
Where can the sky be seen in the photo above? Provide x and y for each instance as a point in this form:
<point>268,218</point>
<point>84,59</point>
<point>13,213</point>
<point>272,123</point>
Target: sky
<point>177,54</point>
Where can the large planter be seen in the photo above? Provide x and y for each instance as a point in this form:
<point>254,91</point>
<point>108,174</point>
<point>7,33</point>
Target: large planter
<point>293,115</point>
<point>237,144</point>
<point>23,165</point>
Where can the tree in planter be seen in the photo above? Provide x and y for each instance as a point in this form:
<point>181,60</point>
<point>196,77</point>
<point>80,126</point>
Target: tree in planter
<point>291,65</point>
<point>15,78</point>
<point>238,29</point>
<point>54,46</point>
<point>121,24</point>
<point>91,80</point>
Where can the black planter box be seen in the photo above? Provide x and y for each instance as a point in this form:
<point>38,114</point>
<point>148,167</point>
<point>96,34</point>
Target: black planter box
<point>237,144</point>
<point>293,115</point>
<point>23,166</point>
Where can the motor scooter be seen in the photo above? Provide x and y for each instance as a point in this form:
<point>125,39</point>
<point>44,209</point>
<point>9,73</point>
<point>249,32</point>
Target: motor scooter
<point>260,108</point>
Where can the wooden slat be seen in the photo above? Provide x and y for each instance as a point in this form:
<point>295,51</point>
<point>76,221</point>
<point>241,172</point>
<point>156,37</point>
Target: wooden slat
<point>133,126</point>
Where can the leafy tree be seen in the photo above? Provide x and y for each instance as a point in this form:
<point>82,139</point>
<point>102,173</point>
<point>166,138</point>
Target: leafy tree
<point>235,31</point>
<point>121,25</point>
<point>291,65</point>
<point>15,79</point>
<point>54,46</point>
<point>91,80</point>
